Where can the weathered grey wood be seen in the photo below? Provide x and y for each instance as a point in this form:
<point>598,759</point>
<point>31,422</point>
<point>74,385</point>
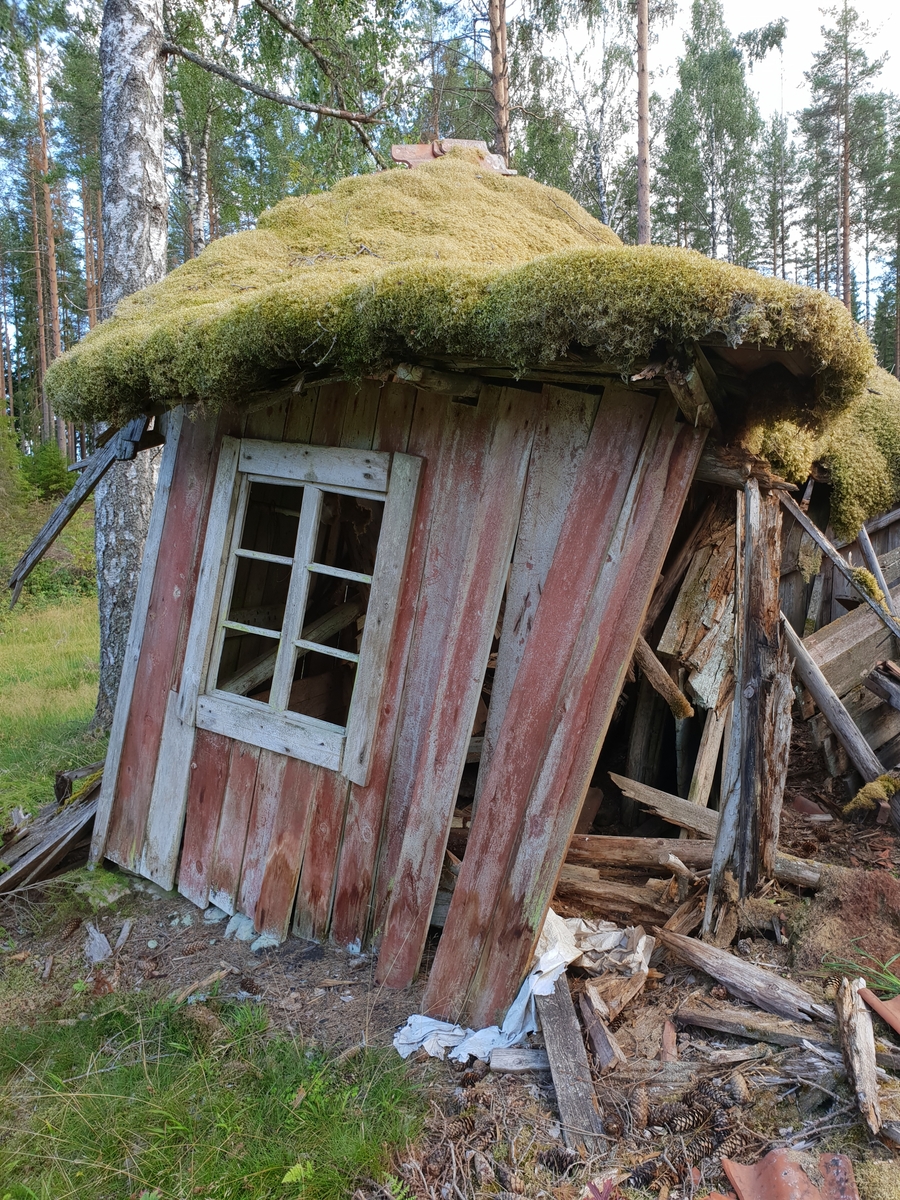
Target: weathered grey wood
<point>885,683</point>
<point>323,466</point>
<point>606,1049</point>
<point>822,541</point>
<point>861,753</point>
<point>58,837</point>
<point>94,470</point>
<point>661,681</point>
<point>728,468</point>
<point>295,602</point>
<point>381,616</point>
<point>688,389</point>
<point>846,649</point>
<point>640,853</point>
<point>756,1026</point>
<point>798,872</point>
<point>622,901</point>
<point>858,1042</point>
<point>707,760</point>
<point>745,980</point>
<point>875,524</point>
<point>675,571</point>
<point>284,733</point>
<point>871,559</point>
<point>513,1060</point>
<point>578,1108</point>
<point>447,383</point>
<point>763,681</point>
<point>136,634</point>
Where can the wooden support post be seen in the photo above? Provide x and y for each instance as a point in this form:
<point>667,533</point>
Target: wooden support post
<point>868,553</point>
<point>861,753</point>
<point>707,759</point>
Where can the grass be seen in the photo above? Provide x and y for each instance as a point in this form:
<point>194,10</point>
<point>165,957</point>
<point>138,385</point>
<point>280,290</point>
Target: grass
<point>49,661</point>
<point>178,1102</point>
<point>878,975</point>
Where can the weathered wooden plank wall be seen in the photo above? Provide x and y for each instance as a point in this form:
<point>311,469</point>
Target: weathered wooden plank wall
<point>631,487</point>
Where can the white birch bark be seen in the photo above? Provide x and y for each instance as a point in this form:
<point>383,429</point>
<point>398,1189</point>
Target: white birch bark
<point>135,218</point>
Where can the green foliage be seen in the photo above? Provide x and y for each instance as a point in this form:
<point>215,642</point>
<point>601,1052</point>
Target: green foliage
<point>47,472</point>
<point>147,1098</point>
<point>878,975</point>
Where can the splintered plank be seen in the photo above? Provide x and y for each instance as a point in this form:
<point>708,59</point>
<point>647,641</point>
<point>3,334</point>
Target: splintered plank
<point>228,855</point>
<point>582,1128</point>
<point>285,845</point>
<point>600,490</point>
<point>356,870</point>
<point>314,895</point>
<point>171,595</point>
<point>209,773</point>
<point>568,719</point>
<point>560,438</point>
<point>469,551</point>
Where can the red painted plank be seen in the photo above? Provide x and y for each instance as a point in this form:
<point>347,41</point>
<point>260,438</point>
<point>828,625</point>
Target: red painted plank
<point>317,879</point>
<point>600,490</point>
<point>209,773</point>
<point>365,811</point>
<point>157,670</point>
<point>469,552</point>
<point>599,660</point>
<point>263,815</point>
<point>286,845</point>
<point>228,855</point>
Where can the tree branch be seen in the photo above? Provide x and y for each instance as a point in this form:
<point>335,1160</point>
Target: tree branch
<point>323,110</point>
<point>304,39</point>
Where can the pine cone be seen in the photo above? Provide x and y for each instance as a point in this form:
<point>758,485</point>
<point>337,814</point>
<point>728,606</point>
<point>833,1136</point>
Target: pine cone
<point>557,1159</point>
<point>644,1175</point>
<point>740,1090</point>
<point>640,1109</point>
<point>508,1180</point>
<point>72,926</point>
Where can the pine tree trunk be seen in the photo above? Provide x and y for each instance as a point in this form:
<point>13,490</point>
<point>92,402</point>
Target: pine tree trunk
<point>46,423</point>
<point>499,76</point>
<point>845,183</point>
<point>6,348</point>
<point>643,155</point>
<point>50,238</point>
<point>134,214</point>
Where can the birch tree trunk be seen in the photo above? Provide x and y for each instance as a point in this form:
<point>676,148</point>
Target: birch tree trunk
<point>135,215</point>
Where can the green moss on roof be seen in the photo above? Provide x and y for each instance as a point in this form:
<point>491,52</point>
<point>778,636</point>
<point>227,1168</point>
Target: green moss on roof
<point>859,447</point>
<point>450,258</point>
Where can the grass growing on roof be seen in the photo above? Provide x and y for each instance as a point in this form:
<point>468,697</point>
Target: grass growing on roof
<point>150,1098</point>
<point>449,258</point>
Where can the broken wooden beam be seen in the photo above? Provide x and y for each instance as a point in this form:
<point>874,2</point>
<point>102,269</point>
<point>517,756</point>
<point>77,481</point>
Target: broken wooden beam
<point>661,681</point>
<point>638,853</point>
<point>579,1111</point>
<point>842,565</point>
<point>604,1046</point>
<point>122,445</point>
<point>861,753</point>
<point>623,901</point>
<point>858,1043</point>
<point>731,467</point>
<point>745,980</point>
<point>798,872</point>
<point>884,682</point>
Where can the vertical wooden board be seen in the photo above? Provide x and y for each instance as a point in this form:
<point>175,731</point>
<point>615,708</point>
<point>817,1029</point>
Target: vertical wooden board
<point>396,406</point>
<point>469,568</point>
<point>366,805</point>
<point>330,409</point>
<point>361,410</point>
<point>301,415</point>
<point>560,439</point>
<point>228,854</point>
<point>134,645</point>
<point>158,666</point>
<point>263,814</point>
<point>286,845</point>
<point>209,774</point>
<point>317,878</point>
<point>601,487</point>
<point>603,650</point>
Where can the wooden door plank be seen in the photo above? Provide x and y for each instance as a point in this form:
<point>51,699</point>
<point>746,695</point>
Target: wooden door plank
<point>134,646</point>
<point>326,428</point>
<point>560,439</point>
<point>470,548</point>
<point>606,467</point>
<point>263,814</point>
<point>360,414</point>
<point>228,855</point>
<point>209,773</point>
<point>598,660</point>
<point>286,845</point>
<point>366,805</point>
<point>579,1111</point>
<point>317,877</point>
<point>171,593</point>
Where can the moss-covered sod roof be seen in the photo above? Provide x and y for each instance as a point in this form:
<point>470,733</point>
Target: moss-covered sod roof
<point>451,259</point>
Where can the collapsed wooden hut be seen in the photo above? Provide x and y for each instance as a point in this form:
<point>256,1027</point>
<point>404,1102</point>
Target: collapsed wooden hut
<point>440,455</point>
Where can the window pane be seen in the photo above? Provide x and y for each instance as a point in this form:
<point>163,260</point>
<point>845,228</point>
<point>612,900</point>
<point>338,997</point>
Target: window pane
<point>259,590</point>
<point>347,539</point>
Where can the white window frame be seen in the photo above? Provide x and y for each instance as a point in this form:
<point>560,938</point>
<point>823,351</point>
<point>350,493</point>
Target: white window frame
<point>376,475</point>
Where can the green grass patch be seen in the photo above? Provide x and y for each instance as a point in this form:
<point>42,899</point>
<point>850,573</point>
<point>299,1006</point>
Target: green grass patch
<point>179,1102</point>
<point>49,664</point>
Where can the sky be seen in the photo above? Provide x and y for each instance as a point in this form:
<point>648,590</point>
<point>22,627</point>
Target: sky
<point>778,80</point>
